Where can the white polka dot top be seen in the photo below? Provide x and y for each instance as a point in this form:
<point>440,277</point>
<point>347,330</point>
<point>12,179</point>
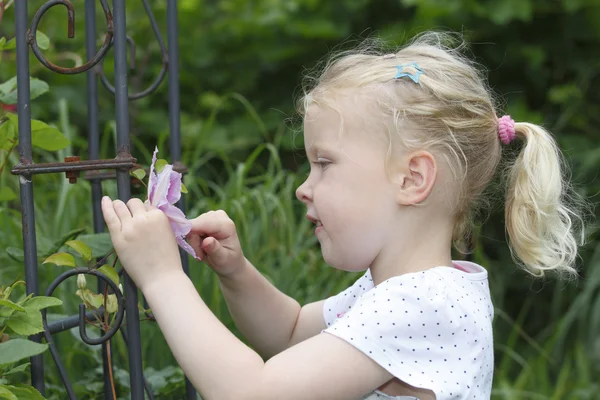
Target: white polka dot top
<point>431,329</point>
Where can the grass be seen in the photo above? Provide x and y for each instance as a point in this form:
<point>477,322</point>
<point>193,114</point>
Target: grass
<point>547,337</point>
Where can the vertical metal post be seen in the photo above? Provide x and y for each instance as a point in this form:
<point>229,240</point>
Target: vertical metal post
<point>124,193</point>
<point>93,154</point>
<point>174,126</point>
<point>26,186</point>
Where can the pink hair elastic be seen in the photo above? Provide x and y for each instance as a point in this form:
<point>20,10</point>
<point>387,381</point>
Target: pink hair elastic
<point>506,129</point>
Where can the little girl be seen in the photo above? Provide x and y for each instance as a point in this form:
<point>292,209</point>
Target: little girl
<point>401,148</point>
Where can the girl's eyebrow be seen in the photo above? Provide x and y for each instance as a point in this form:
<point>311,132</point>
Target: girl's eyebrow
<point>318,149</point>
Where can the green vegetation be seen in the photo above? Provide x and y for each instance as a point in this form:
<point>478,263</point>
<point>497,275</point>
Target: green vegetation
<point>241,64</point>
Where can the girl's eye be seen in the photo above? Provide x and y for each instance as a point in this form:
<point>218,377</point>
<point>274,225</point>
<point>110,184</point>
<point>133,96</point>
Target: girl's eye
<point>323,163</point>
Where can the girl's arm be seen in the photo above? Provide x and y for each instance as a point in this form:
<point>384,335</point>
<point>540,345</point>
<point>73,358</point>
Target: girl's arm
<point>270,320</point>
<point>221,367</point>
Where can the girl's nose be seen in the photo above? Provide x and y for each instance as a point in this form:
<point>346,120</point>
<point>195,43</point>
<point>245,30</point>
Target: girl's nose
<point>303,193</point>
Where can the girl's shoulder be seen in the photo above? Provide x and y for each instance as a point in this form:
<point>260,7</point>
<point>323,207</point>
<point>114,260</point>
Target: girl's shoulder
<point>459,286</point>
<point>431,329</point>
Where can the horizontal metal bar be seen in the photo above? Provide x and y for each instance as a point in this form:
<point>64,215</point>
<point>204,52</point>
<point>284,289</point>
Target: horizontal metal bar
<point>86,165</point>
<point>92,175</point>
<point>70,322</point>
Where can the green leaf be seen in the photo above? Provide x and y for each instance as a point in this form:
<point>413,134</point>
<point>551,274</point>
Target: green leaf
<point>96,300</point>
<point>183,188</point>
<point>10,45</point>
<point>37,88</point>
<point>160,165</point>
<point>41,302</point>
<point>90,299</point>
<point>16,254</point>
<point>8,90</point>
<point>18,368</point>
<point>5,393</point>
<point>138,173</point>
<point>27,323</point>
<point>26,392</point>
<point>49,250</point>
<point>42,40</point>
<point>82,248</point>
<point>8,134</point>
<point>100,243</point>
<point>18,349</point>
<point>10,304</point>
<point>47,137</point>
<point>65,259</point>
<point>110,273</point>
<point>44,136</point>
<point>6,193</point>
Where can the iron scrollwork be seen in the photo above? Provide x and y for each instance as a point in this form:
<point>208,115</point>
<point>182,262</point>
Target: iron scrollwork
<point>31,36</point>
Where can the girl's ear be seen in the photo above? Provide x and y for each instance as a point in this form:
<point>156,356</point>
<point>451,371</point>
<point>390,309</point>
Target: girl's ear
<point>414,176</point>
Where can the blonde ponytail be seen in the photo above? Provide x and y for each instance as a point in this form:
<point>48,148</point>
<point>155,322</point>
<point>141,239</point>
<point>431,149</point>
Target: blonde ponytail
<point>542,211</point>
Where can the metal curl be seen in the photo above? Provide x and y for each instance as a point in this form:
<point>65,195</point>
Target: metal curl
<point>163,51</point>
<point>82,330</point>
<point>32,40</point>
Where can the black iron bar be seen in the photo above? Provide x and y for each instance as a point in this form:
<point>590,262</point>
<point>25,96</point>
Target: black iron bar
<point>81,321</point>
<point>165,60</point>
<point>93,154</point>
<point>175,127</point>
<point>69,322</point>
<point>26,187</point>
<point>124,192</point>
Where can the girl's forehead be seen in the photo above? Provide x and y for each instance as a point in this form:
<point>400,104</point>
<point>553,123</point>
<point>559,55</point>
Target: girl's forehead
<point>341,120</point>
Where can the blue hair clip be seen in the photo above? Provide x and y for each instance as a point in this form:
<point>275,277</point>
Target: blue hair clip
<point>414,76</point>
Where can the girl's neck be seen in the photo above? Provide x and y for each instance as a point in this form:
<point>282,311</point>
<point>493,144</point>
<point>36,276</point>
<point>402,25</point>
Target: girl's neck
<point>413,255</point>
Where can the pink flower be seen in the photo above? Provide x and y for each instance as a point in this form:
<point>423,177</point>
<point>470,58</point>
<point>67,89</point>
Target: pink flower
<point>164,190</point>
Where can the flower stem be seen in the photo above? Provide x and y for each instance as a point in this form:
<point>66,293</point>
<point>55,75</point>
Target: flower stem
<point>110,370</point>
<point>101,261</point>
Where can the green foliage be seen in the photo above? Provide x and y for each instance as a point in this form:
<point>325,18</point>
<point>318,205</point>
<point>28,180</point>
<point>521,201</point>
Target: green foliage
<point>19,319</point>
<point>8,90</point>
<point>241,64</point>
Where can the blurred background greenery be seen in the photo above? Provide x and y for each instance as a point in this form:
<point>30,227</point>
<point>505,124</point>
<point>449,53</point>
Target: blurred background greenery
<point>241,65</point>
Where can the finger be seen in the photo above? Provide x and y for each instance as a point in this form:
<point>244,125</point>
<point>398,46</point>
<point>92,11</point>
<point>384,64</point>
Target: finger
<point>136,207</point>
<point>110,216</point>
<point>196,242</point>
<point>213,224</point>
<point>122,211</point>
<point>211,246</point>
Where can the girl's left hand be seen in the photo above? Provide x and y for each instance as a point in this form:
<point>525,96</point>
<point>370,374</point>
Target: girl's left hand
<point>143,239</point>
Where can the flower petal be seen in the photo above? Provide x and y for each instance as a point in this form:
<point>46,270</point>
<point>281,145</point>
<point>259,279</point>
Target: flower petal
<point>186,246</point>
<point>161,190</point>
<point>174,192</point>
<point>181,226</point>
<point>152,179</point>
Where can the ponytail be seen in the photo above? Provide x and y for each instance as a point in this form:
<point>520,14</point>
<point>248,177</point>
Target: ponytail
<point>542,211</point>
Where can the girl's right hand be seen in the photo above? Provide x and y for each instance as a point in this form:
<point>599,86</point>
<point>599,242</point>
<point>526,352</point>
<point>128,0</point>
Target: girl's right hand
<point>214,239</point>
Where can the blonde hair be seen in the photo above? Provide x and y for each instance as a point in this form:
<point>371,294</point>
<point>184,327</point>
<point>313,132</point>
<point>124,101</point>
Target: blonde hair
<point>451,112</point>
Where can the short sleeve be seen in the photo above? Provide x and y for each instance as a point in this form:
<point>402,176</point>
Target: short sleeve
<point>337,306</point>
<point>414,326</point>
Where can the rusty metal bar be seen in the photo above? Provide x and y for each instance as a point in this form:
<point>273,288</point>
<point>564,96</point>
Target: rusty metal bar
<point>27,168</point>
